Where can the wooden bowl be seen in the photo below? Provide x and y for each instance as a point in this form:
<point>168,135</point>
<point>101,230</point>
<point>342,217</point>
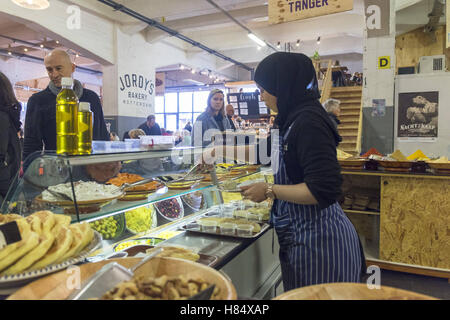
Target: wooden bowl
<point>442,168</point>
<point>54,287</point>
<point>353,164</point>
<point>396,166</point>
<point>350,291</point>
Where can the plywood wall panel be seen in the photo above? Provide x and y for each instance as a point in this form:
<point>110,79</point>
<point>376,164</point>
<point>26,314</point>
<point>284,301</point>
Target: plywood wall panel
<point>409,47</point>
<point>415,221</point>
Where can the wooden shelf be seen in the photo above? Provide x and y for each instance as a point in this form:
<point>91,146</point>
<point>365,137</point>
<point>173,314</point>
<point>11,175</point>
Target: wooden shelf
<point>394,174</point>
<point>401,267</point>
<point>375,213</point>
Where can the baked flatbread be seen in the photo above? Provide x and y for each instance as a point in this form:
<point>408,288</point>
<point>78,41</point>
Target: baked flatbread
<point>60,246</point>
<point>5,218</point>
<point>28,243</point>
<point>47,218</point>
<point>61,220</point>
<point>45,242</point>
<point>77,242</point>
<point>176,252</point>
<point>25,230</point>
<point>88,235</point>
<point>35,223</point>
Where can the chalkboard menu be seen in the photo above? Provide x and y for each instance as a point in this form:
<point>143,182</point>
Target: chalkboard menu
<point>247,104</point>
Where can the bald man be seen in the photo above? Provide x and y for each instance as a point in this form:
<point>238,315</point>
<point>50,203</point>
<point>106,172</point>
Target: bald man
<point>40,120</point>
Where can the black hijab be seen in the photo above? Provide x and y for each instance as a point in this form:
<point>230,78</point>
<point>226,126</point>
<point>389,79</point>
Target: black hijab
<point>290,77</point>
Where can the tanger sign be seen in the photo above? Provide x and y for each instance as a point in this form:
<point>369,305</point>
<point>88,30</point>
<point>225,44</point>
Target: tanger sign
<point>289,10</point>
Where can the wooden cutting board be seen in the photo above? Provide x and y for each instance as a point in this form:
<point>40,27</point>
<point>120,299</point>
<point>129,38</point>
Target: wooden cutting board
<point>350,291</point>
<point>54,287</point>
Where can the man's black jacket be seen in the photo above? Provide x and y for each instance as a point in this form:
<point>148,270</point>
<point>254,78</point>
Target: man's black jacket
<point>40,120</point>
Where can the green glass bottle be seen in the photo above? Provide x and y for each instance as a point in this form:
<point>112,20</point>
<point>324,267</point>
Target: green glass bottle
<point>66,119</point>
<point>85,128</point>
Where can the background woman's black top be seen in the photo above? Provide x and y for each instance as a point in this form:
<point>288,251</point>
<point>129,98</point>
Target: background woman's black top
<point>10,150</point>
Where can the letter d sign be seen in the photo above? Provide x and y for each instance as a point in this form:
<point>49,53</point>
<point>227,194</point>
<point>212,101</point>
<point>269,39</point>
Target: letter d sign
<point>384,62</point>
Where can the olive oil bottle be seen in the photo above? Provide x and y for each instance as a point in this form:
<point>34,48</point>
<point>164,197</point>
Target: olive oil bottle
<point>85,128</point>
<point>66,118</point>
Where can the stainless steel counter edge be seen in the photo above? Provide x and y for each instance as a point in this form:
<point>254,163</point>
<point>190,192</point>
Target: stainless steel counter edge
<point>222,247</point>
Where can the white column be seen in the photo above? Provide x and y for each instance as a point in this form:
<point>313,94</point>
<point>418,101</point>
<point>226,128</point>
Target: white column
<point>378,82</point>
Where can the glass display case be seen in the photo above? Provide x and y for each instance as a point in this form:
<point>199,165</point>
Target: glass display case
<point>88,189</point>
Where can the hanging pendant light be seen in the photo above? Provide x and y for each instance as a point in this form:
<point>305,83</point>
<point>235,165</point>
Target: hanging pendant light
<point>32,4</point>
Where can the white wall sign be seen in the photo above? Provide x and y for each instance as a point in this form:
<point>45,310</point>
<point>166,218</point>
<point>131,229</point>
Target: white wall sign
<point>136,90</point>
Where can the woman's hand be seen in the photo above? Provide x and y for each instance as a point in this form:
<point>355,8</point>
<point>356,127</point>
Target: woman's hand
<point>255,192</point>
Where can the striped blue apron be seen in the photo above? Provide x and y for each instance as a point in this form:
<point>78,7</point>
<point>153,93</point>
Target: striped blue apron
<point>316,246</point>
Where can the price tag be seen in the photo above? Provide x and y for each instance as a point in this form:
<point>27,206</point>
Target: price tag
<point>9,234</point>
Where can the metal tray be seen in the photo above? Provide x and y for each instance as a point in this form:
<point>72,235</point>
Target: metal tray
<point>205,259</point>
<point>9,284</point>
<point>194,227</point>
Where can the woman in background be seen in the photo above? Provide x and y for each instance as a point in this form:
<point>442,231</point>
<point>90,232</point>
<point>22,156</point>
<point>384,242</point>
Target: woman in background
<point>213,118</point>
<point>10,151</point>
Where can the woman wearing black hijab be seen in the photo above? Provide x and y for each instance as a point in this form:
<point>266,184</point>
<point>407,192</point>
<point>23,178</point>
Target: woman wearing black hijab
<point>10,151</point>
<point>318,243</point>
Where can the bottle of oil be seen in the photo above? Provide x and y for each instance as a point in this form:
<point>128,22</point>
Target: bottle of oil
<point>85,128</point>
<point>66,118</point>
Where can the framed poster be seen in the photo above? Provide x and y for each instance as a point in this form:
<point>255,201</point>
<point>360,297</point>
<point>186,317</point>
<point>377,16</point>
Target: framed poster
<point>418,114</point>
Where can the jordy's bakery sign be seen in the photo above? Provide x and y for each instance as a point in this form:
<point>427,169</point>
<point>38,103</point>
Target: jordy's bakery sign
<point>136,90</point>
<point>288,10</point>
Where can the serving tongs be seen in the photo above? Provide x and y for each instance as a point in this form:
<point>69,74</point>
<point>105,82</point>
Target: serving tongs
<point>167,179</point>
<point>107,278</point>
<point>127,186</point>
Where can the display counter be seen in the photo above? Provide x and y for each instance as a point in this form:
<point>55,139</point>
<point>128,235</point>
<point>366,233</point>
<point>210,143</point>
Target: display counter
<point>158,212</point>
<point>402,218</point>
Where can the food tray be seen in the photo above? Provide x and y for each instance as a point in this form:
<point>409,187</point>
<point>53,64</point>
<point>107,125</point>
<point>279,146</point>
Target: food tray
<point>136,242</point>
<point>205,259</point>
<point>9,284</point>
<point>180,204</point>
<point>396,166</point>
<point>441,168</point>
<point>229,190</point>
<point>131,195</point>
<point>83,206</point>
<point>195,204</point>
<point>354,164</point>
<point>195,228</point>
